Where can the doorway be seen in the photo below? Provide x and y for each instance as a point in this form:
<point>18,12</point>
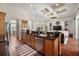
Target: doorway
<point>13,28</point>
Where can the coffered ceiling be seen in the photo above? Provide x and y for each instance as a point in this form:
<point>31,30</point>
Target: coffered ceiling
<point>55,10</point>
<point>46,10</point>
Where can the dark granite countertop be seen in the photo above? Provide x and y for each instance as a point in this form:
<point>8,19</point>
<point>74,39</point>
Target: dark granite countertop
<point>45,36</point>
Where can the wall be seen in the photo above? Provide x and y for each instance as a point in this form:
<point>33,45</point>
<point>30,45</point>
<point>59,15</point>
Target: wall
<point>35,24</point>
<point>2,7</point>
<point>71,24</point>
<point>72,27</point>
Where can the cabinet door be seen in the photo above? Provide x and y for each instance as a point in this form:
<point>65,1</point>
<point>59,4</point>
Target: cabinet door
<point>21,36</point>
<point>32,42</point>
<point>48,47</point>
<point>56,47</point>
<point>2,15</point>
<point>25,38</point>
<point>29,40</point>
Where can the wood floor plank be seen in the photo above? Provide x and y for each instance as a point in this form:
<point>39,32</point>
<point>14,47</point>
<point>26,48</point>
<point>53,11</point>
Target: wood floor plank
<point>18,48</point>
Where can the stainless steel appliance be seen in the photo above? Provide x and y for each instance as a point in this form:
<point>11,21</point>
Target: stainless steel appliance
<point>39,44</point>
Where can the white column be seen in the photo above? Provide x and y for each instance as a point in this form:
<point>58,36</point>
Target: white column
<point>76,32</point>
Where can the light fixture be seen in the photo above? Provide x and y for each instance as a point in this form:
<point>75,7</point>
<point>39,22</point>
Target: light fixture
<point>53,17</point>
<point>31,5</point>
<point>47,10</point>
<point>61,10</point>
<point>57,4</point>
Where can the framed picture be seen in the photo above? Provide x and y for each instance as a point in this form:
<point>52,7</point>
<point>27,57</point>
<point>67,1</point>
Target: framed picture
<point>24,24</point>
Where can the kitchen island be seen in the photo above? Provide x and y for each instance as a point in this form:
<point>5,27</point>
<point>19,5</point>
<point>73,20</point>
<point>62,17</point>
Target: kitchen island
<point>48,45</point>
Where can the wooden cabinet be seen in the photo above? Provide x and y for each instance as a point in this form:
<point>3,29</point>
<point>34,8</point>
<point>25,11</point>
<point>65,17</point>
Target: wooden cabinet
<point>2,33</point>
<point>23,38</point>
<point>2,16</point>
<point>51,47</point>
<point>28,39</point>
<point>56,47</point>
<point>48,47</point>
<point>32,41</point>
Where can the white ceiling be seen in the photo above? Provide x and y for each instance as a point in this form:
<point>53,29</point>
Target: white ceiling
<point>33,10</point>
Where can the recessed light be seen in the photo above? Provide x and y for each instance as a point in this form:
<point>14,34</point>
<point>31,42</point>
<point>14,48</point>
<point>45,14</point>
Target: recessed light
<point>57,4</point>
<point>31,5</point>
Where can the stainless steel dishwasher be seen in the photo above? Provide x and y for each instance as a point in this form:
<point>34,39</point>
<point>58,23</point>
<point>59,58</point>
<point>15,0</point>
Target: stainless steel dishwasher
<point>39,44</point>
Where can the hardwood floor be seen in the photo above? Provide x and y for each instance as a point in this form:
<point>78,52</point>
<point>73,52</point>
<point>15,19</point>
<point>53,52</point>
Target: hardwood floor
<point>13,43</point>
<point>17,48</point>
<point>71,48</point>
<point>25,50</point>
